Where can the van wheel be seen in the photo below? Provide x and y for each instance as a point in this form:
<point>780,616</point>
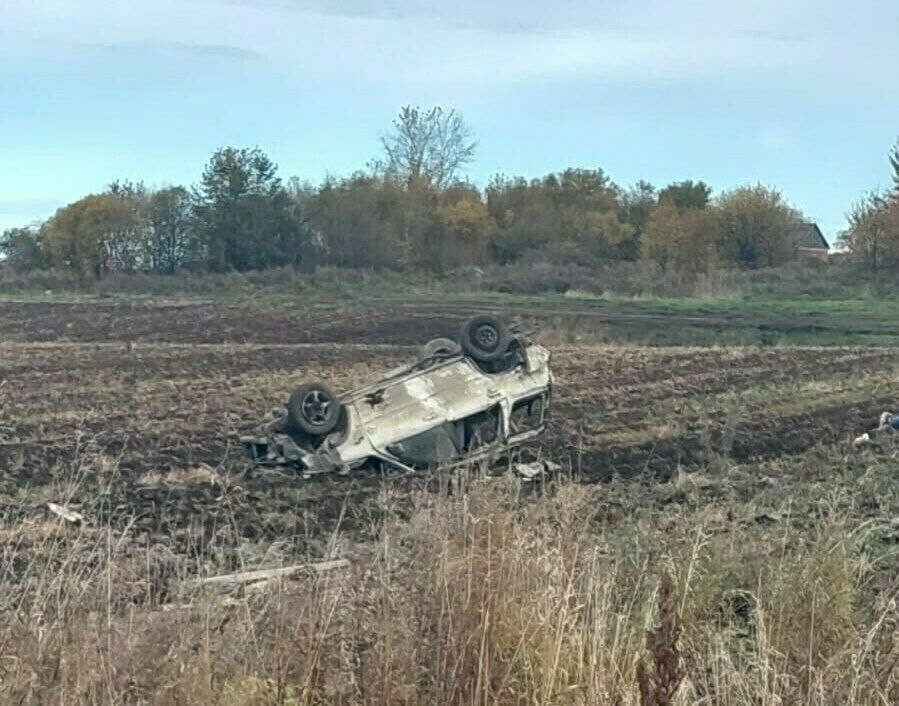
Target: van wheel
<point>314,408</point>
<point>485,338</point>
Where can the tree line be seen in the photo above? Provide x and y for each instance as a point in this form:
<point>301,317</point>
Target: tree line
<point>413,209</point>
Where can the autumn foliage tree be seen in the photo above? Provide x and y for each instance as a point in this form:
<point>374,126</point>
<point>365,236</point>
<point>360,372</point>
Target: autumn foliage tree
<point>755,227</point>
<point>94,235</point>
<point>636,205</point>
<point>462,225</point>
<point>680,239</point>
<point>749,227</point>
<point>127,228</point>
<point>872,239</point>
<point>357,221</point>
<point>573,213</point>
<point>524,214</point>
<point>589,212</point>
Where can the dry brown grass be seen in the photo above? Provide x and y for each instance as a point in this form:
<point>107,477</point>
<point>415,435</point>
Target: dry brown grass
<point>472,595</point>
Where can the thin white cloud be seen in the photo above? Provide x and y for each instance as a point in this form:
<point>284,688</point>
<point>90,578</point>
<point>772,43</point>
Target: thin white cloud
<point>785,20</point>
<point>795,42</point>
<point>211,51</point>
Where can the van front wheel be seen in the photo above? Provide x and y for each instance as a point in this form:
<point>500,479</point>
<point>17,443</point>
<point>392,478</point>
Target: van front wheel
<point>314,408</point>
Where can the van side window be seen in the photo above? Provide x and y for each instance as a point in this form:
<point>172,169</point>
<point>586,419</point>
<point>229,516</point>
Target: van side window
<point>481,429</point>
<point>450,440</point>
<point>527,414</point>
<point>429,448</point>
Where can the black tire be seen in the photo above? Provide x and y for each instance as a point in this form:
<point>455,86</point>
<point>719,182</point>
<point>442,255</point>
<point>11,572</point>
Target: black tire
<point>485,338</point>
<point>438,347</point>
<point>314,408</point>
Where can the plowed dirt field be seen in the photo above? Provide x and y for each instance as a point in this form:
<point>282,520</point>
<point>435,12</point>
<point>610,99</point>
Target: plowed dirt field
<point>143,405</point>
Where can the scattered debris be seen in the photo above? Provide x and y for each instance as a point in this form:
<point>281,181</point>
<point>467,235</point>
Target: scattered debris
<point>536,469</point>
<point>65,513</point>
<point>230,582</point>
<point>888,424</point>
<point>220,603</point>
<point>862,440</point>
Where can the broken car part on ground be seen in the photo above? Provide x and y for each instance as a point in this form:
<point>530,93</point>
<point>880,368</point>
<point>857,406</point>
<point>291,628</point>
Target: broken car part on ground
<point>888,426</point>
<point>458,401</point>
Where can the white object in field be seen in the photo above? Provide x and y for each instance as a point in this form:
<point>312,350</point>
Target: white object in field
<point>884,425</point>
<point>535,469</point>
<point>229,581</point>
<point>65,513</point>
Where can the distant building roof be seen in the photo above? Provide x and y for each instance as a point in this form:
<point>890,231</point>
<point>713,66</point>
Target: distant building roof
<point>808,235</point>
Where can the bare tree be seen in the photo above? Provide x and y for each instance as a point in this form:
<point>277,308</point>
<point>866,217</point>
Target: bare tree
<point>894,163</point>
<point>428,147</point>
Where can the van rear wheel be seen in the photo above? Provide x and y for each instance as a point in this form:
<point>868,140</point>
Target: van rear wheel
<point>485,338</point>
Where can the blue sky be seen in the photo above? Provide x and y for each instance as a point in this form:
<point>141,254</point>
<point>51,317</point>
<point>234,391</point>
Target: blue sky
<point>798,94</point>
